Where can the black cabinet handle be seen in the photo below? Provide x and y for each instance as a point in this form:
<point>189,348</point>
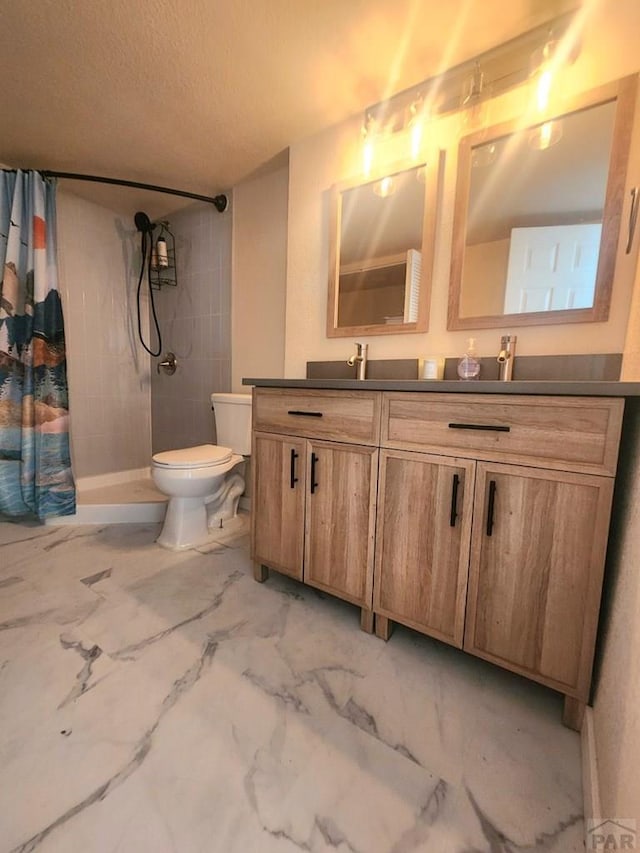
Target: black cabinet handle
<point>454,500</point>
<point>489,427</point>
<point>314,462</point>
<point>491,506</point>
<point>293,478</point>
<point>304,414</point>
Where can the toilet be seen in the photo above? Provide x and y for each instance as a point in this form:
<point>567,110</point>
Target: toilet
<point>203,483</point>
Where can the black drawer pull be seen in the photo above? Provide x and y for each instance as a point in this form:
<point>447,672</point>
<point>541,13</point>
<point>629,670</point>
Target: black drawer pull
<point>491,506</point>
<point>454,500</point>
<point>489,427</point>
<point>305,414</point>
<point>314,462</point>
<point>293,478</point>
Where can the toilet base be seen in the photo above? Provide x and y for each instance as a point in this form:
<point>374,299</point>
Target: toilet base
<point>202,503</point>
<point>185,524</point>
<point>223,504</point>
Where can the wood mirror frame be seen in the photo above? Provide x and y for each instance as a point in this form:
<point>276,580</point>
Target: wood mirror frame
<point>433,170</point>
<point>624,93</point>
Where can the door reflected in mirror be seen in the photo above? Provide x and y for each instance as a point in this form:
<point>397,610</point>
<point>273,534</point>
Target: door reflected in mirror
<point>538,214</point>
<point>380,254</point>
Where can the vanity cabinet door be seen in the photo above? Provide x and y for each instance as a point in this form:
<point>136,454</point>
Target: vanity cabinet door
<point>340,519</point>
<point>279,482</point>
<point>537,558</point>
<point>422,541</point>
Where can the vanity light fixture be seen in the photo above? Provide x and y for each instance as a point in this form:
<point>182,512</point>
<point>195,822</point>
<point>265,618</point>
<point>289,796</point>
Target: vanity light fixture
<point>418,119</point>
<point>545,62</point>
<point>479,79</point>
<point>387,138</point>
<point>369,133</point>
<point>475,100</point>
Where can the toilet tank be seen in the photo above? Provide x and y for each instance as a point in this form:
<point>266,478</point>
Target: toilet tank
<point>233,421</point>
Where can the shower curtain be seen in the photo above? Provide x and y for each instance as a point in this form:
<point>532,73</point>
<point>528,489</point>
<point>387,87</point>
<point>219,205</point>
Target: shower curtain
<point>35,465</point>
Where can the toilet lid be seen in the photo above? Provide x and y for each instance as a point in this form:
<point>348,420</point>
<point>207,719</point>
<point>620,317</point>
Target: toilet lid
<point>194,457</point>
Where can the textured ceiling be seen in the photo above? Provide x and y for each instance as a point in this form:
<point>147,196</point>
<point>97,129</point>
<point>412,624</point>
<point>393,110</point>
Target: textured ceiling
<point>197,94</point>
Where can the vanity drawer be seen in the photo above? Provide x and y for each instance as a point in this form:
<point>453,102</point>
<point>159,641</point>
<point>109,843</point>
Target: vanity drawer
<point>565,433</point>
<point>351,416</point>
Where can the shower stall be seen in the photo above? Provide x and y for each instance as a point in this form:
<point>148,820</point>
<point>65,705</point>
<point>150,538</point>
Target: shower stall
<point>122,409</point>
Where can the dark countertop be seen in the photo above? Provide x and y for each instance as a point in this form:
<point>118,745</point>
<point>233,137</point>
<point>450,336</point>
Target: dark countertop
<point>541,388</point>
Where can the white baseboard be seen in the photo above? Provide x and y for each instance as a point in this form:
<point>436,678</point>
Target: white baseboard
<point>590,783</point>
<point>114,478</point>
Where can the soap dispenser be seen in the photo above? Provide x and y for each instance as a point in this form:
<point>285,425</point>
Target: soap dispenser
<point>469,366</point>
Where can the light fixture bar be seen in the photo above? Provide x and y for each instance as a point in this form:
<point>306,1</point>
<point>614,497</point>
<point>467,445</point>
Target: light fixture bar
<point>503,67</point>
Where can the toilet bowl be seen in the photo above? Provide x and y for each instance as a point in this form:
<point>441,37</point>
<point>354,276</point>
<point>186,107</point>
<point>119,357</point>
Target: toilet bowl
<point>204,483</point>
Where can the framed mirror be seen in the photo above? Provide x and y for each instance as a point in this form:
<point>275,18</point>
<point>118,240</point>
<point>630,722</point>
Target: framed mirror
<point>381,252</point>
<point>538,214</point>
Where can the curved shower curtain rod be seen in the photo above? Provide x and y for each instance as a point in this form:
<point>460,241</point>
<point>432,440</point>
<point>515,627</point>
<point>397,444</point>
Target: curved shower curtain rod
<point>218,201</point>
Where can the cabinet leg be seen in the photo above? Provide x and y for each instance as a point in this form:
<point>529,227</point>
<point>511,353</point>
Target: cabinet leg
<point>384,627</point>
<point>260,572</point>
<point>366,620</point>
<point>573,713</point>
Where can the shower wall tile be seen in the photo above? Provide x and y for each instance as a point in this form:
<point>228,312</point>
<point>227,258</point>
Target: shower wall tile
<point>109,372</point>
<point>195,319</point>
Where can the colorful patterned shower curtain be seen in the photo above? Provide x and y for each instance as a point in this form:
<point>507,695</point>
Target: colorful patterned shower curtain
<point>35,465</point>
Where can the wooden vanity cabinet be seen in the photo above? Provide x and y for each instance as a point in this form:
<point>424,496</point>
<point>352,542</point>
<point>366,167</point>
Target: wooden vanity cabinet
<point>279,486</point>
<point>315,465</point>
<point>422,546</point>
<point>538,483</point>
<point>340,521</point>
<point>489,514</point>
<point>537,560</point>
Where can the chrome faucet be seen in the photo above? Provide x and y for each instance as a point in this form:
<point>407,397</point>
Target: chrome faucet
<point>506,356</point>
<point>360,358</point>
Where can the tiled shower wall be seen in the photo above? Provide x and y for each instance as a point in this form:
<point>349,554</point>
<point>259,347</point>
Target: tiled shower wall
<point>109,387</point>
<point>195,321</point>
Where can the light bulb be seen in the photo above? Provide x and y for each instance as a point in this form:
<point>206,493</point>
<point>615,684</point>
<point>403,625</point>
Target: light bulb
<point>369,133</point>
<point>543,89</point>
<point>543,68</point>
<point>415,125</point>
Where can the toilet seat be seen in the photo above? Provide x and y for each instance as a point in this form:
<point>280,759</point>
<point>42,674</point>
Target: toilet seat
<point>201,456</point>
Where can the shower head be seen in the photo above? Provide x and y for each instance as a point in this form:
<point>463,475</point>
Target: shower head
<point>143,223</point>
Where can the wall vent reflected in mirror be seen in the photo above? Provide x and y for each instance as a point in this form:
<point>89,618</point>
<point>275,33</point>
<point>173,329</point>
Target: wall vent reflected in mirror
<point>537,215</point>
<point>381,250</point>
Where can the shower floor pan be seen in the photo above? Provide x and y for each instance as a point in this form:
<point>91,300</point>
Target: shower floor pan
<point>120,498</point>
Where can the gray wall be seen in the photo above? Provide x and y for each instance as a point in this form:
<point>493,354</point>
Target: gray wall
<point>195,320</point>
<point>109,386</point>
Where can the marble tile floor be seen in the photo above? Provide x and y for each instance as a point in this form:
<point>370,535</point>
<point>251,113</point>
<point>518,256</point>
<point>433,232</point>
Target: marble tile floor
<point>159,701</point>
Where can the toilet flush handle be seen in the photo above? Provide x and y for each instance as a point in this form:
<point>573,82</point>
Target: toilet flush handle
<point>168,364</point>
